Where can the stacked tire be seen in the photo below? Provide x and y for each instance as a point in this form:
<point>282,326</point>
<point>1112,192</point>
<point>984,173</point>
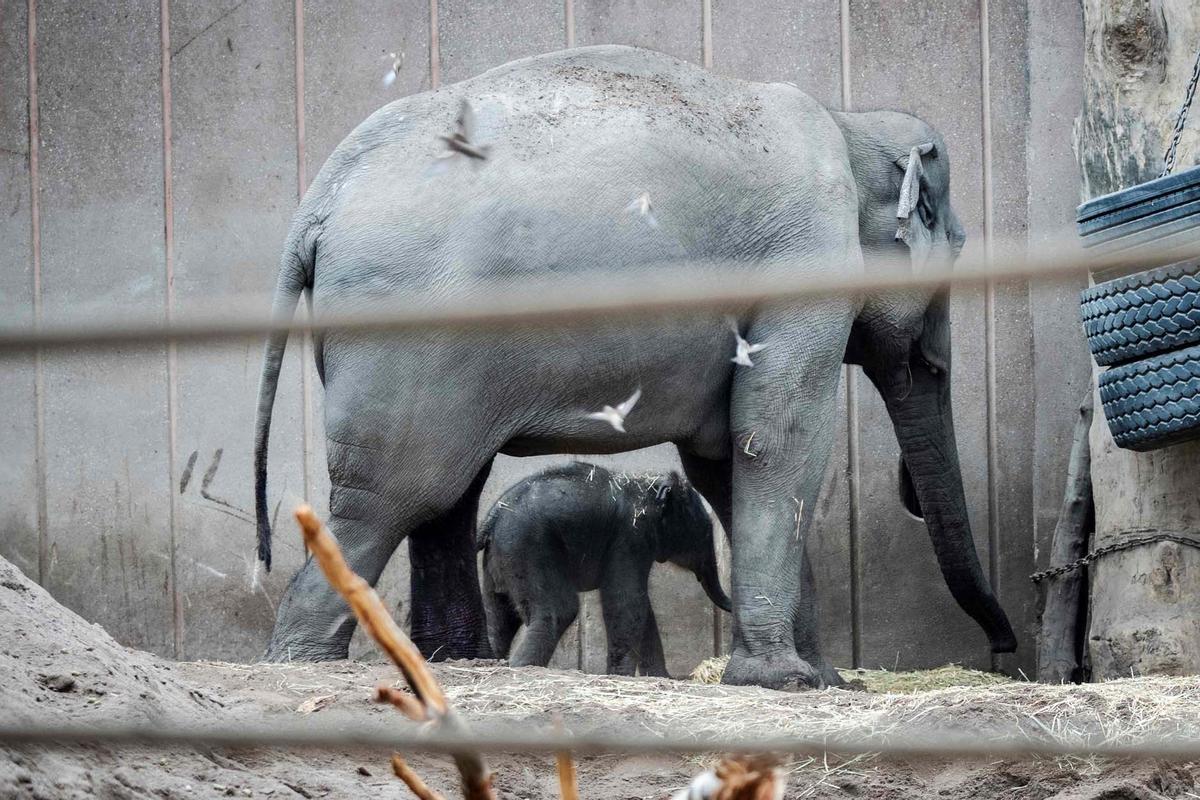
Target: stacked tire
<point>1145,328</point>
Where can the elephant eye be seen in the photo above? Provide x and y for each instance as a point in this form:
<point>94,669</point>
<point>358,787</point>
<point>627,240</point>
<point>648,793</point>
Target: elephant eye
<point>928,215</point>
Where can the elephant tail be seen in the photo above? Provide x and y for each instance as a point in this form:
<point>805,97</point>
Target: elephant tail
<point>295,275</point>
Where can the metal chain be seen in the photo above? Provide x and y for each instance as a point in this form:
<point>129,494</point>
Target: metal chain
<point>1125,544</point>
<point>1169,158</point>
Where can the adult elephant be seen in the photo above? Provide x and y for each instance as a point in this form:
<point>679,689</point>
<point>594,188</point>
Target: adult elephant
<point>597,161</point>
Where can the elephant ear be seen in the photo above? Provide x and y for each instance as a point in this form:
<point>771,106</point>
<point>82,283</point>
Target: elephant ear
<point>914,232</point>
<point>934,341</point>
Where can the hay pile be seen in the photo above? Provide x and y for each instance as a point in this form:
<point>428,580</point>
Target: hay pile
<point>1117,712</point>
<point>881,681</point>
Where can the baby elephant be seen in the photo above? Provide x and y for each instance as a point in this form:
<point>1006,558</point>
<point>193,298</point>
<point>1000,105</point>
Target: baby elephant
<point>579,527</point>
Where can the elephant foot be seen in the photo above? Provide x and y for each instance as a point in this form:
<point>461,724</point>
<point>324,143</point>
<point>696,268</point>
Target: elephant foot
<point>281,651</point>
<point>831,676</point>
<point>439,641</point>
<point>784,670</point>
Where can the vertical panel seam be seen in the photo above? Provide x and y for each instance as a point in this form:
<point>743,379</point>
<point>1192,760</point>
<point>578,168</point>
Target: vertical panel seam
<point>35,224</point>
<point>985,79</point>
<point>706,61</point>
<point>164,21</point>
<point>435,50</point>
<point>853,465</point>
<point>306,342</point>
<point>569,21</point>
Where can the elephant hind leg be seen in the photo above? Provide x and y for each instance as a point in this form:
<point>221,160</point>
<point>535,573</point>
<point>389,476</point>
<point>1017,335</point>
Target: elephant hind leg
<point>448,619</point>
<point>379,495</point>
<point>548,614</point>
<point>503,622</point>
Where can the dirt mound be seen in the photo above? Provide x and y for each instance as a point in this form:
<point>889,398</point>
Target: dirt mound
<point>55,667</point>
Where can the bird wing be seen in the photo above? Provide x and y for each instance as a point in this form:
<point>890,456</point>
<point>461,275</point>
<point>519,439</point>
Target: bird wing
<point>628,405</point>
<point>754,348</point>
<point>466,121</point>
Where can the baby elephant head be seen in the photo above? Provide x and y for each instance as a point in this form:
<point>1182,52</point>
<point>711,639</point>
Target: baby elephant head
<point>685,537</point>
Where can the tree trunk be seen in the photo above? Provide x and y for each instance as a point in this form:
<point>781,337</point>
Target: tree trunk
<point>1145,603</point>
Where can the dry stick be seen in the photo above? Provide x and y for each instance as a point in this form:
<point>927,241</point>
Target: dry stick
<point>408,705</point>
<point>1058,659</point>
<point>366,605</point>
<point>568,780</point>
<point>412,780</point>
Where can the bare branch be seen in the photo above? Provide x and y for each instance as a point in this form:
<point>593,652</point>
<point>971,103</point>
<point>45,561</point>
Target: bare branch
<point>375,619</point>
<point>412,780</point>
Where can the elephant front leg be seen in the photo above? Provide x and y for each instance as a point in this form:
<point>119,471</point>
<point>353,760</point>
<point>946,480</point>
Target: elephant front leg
<point>625,598</point>
<point>805,628</point>
<point>652,662</point>
<point>782,421</point>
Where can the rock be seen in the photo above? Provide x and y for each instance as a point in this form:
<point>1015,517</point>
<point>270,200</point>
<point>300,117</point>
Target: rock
<point>59,683</point>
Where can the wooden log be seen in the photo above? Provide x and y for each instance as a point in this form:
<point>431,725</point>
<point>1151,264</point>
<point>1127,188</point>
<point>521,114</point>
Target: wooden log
<point>1060,646</point>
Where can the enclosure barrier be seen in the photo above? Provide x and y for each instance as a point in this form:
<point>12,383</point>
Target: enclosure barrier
<point>292,736</point>
<point>656,290</point>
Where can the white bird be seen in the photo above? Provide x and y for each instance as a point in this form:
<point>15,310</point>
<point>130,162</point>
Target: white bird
<point>616,416</point>
<point>641,206</point>
<point>744,348</point>
<point>389,77</point>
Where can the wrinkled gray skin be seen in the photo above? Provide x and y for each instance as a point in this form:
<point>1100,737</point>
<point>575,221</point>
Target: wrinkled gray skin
<point>759,176</point>
<point>576,528</point>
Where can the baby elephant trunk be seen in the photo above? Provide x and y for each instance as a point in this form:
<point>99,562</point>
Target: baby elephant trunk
<point>710,579</point>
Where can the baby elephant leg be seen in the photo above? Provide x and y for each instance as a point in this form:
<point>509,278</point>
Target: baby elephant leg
<point>548,612</point>
<point>502,619</point>
<point>652,662</point>
<point>626,602</point>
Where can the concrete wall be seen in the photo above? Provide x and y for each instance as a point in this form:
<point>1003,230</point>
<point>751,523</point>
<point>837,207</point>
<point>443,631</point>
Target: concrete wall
<point>151,154</point>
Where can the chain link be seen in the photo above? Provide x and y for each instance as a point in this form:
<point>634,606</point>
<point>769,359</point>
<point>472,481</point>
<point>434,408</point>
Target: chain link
<point>1169,158</point>
<point>1125,544</point>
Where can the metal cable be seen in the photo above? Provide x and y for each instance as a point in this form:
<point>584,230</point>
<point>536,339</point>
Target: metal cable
<point>347,733</point>
<point>655,290</point>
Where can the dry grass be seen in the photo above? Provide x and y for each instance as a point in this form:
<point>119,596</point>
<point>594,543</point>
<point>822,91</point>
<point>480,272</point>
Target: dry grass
<point>1117,712</point>
<point>882,681</point>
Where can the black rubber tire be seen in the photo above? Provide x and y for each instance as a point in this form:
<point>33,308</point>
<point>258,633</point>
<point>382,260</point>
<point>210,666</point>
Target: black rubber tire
<point>1154,402</point>
<point>1146,198</point>
<point>1143,314</point>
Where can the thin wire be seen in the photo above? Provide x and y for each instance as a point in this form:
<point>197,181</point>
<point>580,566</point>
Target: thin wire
<point>657,289</point>
<point>347,733</point>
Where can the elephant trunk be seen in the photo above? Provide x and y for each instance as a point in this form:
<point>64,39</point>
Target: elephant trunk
<point>918,401</point>
<point>710,579</point>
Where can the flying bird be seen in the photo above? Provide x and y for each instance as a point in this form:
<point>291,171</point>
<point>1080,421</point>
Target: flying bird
<point>616,416</point>
<point>641,206</point>
<point>744,348</point>
<point>389,77</point>
<point>463,139</point>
